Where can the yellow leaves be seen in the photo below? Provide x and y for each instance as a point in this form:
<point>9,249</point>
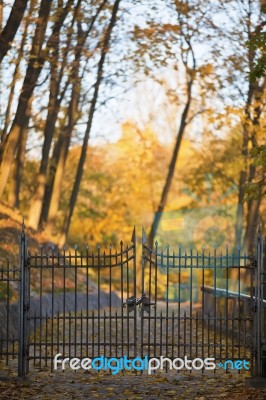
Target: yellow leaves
<point>110,389</point>
<point>127,392</point>
<point>171,392</point>
<point>206,69</point>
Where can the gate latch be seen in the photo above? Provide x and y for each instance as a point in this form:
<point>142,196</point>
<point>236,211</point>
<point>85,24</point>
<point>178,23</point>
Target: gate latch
<point>143,301</point>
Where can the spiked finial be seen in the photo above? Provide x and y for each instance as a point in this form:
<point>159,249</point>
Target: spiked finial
<point>144,237</point>
<point>133,238</point>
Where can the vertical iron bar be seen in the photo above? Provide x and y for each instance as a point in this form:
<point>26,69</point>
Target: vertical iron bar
<point>155,295</point>
<point>122,296</point>
<point>221,335</point>
<point>203,306</point>
<point>239,314</point>
<point>149,296</point>
<point>133,240</point>
<point>167,303</point>
<point>52,313</point>
<point>34,339</point>
<point>69,333</point>
<point>179,301</point>
<point>93,333</point>
<point>116,339</point>
<point>40,309</point>
<point>27,316</point>
<point>98,298</point>
<point>81,334</point>
<point>7,310</point>
<point>46,338</point>
<point>185,332</point>
<point>214,303</point>
<point>259,316</point>
<point>110,300</point>
<point>64,300</point>
<point>226,303</point>
<point>190,301</point>
<point>104,334</point>
<point>22,307</point>
<point>75,303</point>
<point>252,310</point>
<point>173,333</point>
<point>127,285</point>
<point>143,261</point>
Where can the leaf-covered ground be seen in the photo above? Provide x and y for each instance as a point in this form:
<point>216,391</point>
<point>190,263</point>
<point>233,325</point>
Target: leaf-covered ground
<point>70,385</point>
<point>44,385</point>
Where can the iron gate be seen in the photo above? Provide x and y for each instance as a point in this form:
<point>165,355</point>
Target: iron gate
<point>175,303</point>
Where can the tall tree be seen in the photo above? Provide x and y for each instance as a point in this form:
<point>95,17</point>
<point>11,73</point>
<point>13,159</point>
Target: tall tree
<point>51,195</point>
<point>16,74</point>
<point>56,95</point>
<point>100,71</point>
<point>22,117</point>
<point>34,68</point>
<point>252,114</point>
<point>185,33</point>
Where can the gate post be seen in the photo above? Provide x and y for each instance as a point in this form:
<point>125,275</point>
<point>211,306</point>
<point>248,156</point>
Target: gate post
<point>23,304</point>
<point>260,317</point>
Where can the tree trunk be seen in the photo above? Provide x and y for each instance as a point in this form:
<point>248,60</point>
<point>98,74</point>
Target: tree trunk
<point>243,174</point>
<point>1,15</point>
<point>56,170</point>
<point>166,189</point>
<point>57,184</point>
<point>252,224</point>
<point>14,80</point>
<point>75,190</point>
<point>53,109</point>
<point>8,33</point>
<point>22,116</point>
<point>36,205</point>
<point>254,205</point>
<point>51,176</point>
<point>16,178</point>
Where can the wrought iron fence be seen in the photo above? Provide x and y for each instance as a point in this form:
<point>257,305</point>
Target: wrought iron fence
<point>87,303</point>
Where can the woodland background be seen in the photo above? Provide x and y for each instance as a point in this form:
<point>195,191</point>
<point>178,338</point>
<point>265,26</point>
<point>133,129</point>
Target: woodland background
<point>134,112</point>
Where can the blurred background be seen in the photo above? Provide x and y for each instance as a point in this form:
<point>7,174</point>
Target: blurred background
<point>133,112</point>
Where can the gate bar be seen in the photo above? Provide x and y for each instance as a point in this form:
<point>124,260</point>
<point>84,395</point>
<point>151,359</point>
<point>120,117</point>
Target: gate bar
<point>259,316</point>
<point>22,308</point>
